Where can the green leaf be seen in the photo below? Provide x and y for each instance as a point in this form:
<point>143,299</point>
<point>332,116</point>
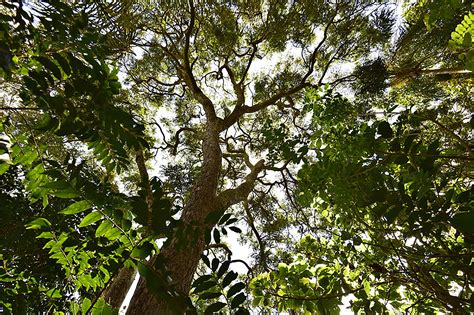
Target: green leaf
<point>47,235</point>
<point>215,264</point>
<point>77,207</point>
<point>206,260</point>
<point>53,293</point>
<point>217,236</point>
<point>4,167</point>
<point>464,221</point>
<point>215,307</point>
<point>242,311</point>
<point>384,130</point>
<point>103,228</point>
<point>145,271</point>
<point>91,218</point>
<point>38,224</point>
<point>205,286</point>
<point>103,308</point>
<point>367,287</point>
<point>138,253</point>
<point>237,300</point>
<point>467,40</point>
<point>223,269</point>
<point>230,221</point>
<point>51,66</point>
<point>235,229</point>
<point>63,63</point>
<point>113,233</point>
<point>235,288</point>
<point>224,218</point>
<point>26,158</point>
<point>209,295</point>
<point>231,276</point>
<point>201,279</point>
<point>67,193</point>
<point>86,304</point>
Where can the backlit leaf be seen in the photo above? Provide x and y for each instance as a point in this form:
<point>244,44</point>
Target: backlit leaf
<point>77,207</point>
<point>90,218</point>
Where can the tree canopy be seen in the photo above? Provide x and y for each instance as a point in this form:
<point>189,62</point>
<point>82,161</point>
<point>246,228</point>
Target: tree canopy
<point>333,139</point>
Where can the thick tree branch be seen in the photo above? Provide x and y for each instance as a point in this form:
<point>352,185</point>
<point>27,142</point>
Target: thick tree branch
<point>176,143</point>
<point>239,91</point>
<point>186,72</point>
<point>238,112</point>
<point>233,196</point>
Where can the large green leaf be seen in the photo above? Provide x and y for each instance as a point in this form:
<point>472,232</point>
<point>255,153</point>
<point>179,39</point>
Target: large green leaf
<point>77,207</point>
<point>90,218</point>
<point>464,221</point>
<point>103,228</point>
<point>38,224</point>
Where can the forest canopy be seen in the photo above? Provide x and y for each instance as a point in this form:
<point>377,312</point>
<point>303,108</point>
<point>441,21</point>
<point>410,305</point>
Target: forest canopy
<point>144,140</point>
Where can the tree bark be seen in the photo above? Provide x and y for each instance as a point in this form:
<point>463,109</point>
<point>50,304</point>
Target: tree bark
<point>181,262</point>
<point>116,292</point>
<point>406,75</point>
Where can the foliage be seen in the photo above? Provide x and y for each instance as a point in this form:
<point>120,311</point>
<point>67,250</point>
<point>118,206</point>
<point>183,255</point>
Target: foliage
<point>71,84</point>
<point>393,199</point>
<point>461,40</point>
<point>368,196</point>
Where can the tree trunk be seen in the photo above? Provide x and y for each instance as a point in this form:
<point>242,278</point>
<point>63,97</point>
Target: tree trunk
<point>116,292</point>
<point>181,261</point>
<point>402,76</point>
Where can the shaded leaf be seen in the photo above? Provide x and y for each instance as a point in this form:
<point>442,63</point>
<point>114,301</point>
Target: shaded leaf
<point>215,264</point>
<point>205,286</point>
<point>464,221</point>
<point>229,277</point>
<point>237,300</point>
<point>384,130</point>
<point>214,308</point>
<point>223,269</point>
<point>235,229</point>
<point>235,289</point>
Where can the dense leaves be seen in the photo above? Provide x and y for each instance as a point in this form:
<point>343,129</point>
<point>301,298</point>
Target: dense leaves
<point>341,156</point>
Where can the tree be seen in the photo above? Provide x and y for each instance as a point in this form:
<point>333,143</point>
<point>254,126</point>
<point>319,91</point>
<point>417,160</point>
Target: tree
<point>201,47</point>
<point>420,49</point>
<point>248,132</point>
<point>387,206</point>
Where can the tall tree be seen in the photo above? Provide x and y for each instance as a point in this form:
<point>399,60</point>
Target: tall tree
<point>247,89</point>
<point>202,56</point>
